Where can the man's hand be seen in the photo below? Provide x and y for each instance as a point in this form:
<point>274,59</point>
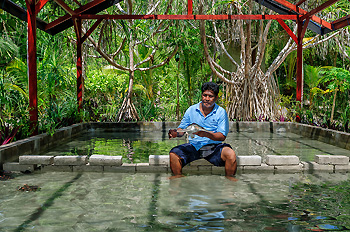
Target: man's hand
<point>172,133</point>
<point>218,136</point>
<point>202,134</point>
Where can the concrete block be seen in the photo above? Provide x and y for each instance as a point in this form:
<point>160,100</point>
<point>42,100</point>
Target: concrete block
<point>36,159</point>
<point>70,160</point>
<point>251,160</point>
<point>9,153</point>
<point>262,168</point>
<point>282,160</point>
<point>53,168</point>
<point>219,170</point>
<point>342,168</point>
<point>159,160</point>
<point>281,130</point>
<point>101,160</point>
<point>16,167</point>
<point>205,168</point>
<point>146,168</point>
<point>341,139</point>
<point>125,168</point>
<point>190,169</point>
<point>332,159</point>
<point>87,168</point>
<point>313,166</point>
<point>289,168</point>
<point>202,162</point>
<point>25,146</point>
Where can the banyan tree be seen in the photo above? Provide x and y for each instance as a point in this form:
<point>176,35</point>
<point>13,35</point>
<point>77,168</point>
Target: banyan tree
<point>252,91</point>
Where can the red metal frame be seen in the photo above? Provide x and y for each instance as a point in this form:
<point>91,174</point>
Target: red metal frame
<point>340,23</point>
<point>80,10</point>
<point>288,30</point>
<point>32,67</point>
<point>318,9</point>
<point>301,11</point>
<point>189,7</point>
<point>88,33</point>
<point>299,96</point>
<point>40,5</point>
<point>191,17</point>
<point>80,81</point>
<point>77,15</point>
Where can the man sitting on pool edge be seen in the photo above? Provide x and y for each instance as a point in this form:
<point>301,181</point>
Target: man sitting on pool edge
<point>207,145</point>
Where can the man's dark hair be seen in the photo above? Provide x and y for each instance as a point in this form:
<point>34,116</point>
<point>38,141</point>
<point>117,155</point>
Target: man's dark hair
<point>211,86</point>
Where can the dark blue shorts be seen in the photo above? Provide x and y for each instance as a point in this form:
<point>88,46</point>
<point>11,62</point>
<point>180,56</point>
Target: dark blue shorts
<point>188,153</point>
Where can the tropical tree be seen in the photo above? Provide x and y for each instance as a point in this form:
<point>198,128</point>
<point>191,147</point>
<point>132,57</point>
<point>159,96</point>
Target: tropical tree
<point>136,35</point>
<point>338,80</point>
<point>252,92</point>
<point>312,78</point>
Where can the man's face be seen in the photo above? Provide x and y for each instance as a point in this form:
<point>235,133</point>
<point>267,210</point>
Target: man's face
<point>208,99</point>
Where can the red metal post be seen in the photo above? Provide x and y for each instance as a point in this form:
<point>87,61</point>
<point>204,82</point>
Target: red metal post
<point>189,7</point>
<point>80,82</point>
<point>32,67</point>
<point>299,97</point>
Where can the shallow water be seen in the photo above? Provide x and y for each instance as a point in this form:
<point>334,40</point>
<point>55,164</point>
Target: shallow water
<point>152,202</point>
<point>135,147</point>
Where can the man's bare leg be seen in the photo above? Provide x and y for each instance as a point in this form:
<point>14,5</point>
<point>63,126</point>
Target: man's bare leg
<point>175,165</point>
<point>229,156</point>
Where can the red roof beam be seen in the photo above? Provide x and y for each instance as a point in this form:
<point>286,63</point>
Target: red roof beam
<point>340,23</point>
<point>192,17</point>
<point>62,4</point>
<point>77,11</point>
<point>301,11</point>
<point>318,9</point>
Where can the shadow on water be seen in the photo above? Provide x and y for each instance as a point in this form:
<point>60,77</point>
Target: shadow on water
<point>49,202</point>
<point>164,132</point>
<point>153,206</point>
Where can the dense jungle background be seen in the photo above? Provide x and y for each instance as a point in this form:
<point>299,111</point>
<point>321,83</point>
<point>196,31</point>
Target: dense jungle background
<point>151,70</point>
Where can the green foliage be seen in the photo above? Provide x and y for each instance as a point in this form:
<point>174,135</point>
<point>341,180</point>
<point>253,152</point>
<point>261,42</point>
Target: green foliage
<point>290,70</point>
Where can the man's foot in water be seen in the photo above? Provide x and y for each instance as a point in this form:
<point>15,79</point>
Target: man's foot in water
<point>232,178</point>
<point>175,177</point>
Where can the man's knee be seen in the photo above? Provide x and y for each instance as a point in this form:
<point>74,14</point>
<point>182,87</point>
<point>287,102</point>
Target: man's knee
<point>174,158</point>
<point>228,154</point>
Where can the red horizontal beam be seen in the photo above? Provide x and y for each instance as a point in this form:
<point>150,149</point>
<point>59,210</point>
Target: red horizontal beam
<point>192,17</point>
<point>318,9</point>
<point>303,12</point>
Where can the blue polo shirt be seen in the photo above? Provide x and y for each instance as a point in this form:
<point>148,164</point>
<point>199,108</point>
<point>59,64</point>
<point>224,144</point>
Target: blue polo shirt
<point>216,121</point>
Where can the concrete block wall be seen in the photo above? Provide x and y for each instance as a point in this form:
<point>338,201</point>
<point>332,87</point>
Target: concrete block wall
<point>39,143</point>
<point>160,164</point>
<point>33,145</point>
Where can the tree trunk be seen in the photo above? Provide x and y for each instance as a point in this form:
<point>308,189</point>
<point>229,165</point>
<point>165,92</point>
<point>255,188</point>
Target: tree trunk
<point>333,106</point>
<point>128,112</point>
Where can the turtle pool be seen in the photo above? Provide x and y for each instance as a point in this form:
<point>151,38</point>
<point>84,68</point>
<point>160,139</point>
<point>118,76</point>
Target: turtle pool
<point>111,201</point>
<point>152,202</point>
<point>136,147</point>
